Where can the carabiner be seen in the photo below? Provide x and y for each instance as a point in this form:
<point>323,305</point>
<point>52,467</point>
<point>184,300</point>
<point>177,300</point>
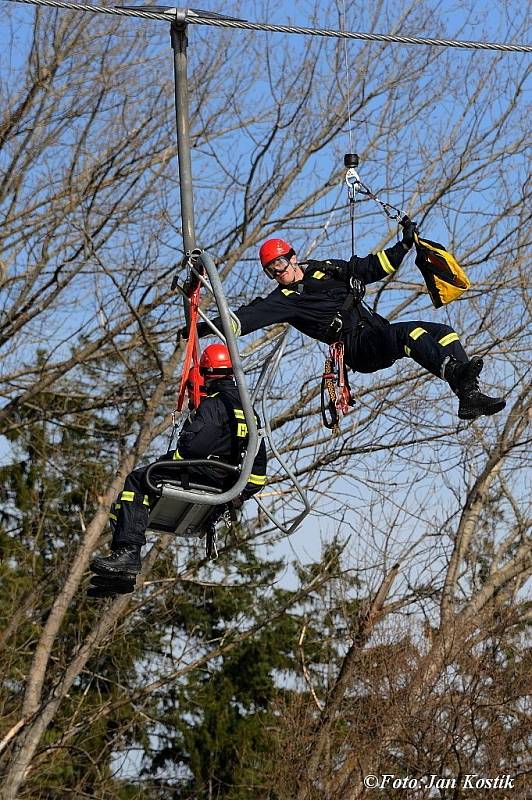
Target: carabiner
<point>352,180</point>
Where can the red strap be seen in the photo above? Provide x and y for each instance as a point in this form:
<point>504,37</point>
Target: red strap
<point>191,358</point>
<point>343,400</point>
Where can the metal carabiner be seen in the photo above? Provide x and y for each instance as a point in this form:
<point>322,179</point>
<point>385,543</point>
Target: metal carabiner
<point>352,179</point>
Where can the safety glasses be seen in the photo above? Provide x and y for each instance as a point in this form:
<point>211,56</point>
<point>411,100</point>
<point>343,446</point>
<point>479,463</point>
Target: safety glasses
<point>277,267</point>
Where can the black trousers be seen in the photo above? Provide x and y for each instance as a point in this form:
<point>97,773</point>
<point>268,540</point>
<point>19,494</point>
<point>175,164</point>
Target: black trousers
<point>430,344</point>
<point>130,512</point>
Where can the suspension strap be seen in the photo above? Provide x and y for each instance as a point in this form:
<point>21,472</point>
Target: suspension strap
<point>391,211</point>
<point>335,383</point>
<point>191,359</point>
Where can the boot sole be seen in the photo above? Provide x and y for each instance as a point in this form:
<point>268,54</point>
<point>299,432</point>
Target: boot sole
<point>103,591</point>
<point>110,571</point>
<point>486,412</point>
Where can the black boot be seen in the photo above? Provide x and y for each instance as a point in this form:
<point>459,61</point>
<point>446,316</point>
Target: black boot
<point>463,380</point>
<point>111,585</point>
<point>122,561</point>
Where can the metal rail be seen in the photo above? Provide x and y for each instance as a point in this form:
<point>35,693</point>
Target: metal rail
<point>264,382</point>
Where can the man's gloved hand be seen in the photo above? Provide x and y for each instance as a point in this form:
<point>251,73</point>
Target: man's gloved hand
<point>409,228</point>
<point>358,289</point>
<point>237,502</point>
<point>182,333</point>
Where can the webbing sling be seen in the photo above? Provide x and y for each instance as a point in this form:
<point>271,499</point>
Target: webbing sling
<point>191,358</point>
<point>335,383</point>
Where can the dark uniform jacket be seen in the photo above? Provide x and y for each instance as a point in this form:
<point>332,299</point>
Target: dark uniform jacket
<point>218,428</point>
<point>312,304</point>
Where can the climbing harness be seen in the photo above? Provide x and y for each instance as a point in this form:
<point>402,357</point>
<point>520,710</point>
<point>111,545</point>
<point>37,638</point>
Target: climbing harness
<point>334,382</point>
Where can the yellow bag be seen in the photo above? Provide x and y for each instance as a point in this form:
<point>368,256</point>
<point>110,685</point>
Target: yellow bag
<point>443,275</point>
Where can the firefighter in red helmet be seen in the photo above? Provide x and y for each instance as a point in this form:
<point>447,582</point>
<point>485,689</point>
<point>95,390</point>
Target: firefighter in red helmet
<point>324,300</point>
<point>215,430</point>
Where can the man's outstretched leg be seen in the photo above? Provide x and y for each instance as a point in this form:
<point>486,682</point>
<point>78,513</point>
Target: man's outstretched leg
<point>438,349</point>
<point>129,519</point>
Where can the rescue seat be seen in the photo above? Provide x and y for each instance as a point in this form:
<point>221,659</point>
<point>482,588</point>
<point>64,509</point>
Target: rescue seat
<point>171,513</point>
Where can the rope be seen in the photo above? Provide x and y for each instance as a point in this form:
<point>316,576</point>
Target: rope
<point>194,19</point>
<point>347,81</point>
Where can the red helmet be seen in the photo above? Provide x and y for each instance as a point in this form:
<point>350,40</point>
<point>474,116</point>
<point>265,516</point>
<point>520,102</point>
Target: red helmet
<point>216,361</point>
<point>274,248</point>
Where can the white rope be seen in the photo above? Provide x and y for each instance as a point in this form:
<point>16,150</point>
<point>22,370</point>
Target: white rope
<point>348,82</point>
<point>195,18</point>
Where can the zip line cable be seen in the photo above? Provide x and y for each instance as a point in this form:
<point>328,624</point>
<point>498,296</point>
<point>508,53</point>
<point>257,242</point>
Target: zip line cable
<point>196,18</point>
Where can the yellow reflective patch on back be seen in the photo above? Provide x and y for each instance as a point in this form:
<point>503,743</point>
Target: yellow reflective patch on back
<point>128,496</point>
<point>385,262</point>
<point>451,337</point>
<point>318,275</point>
<point>242,430</point>
<point>239,414</point>
<point>416,333</point>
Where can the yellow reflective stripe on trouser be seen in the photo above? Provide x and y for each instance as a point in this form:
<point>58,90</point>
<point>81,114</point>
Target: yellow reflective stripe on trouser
<point>385,262</point>
<point>177,456</point>
<point>258,480</point>
<point>128,496</point>
<point>451,337</point>
<point>416,333</point>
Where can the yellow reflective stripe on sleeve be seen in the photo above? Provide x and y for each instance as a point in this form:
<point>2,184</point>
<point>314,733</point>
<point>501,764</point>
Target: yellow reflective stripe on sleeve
<point>288,291</point>
<point>177,456</point>
<point>407,350</point>
<point>145,502</point>
<point>236,326</point>
<point>451,337</point>
<point>318,275</point>
<point>416,333</point>
<point>129,496</point>
<point>385,262</point>
<point>113,516</point>
<point>257,480</point>
<point>242,430</point>
<point>239,414</point>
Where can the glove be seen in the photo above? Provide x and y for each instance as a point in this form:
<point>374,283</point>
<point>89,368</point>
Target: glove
<point>409,229</point>
<point>182,333</point>
<point>358,289</point>
<point>238,502</point>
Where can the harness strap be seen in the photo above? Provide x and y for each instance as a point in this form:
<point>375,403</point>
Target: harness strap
<point>191,358</point>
